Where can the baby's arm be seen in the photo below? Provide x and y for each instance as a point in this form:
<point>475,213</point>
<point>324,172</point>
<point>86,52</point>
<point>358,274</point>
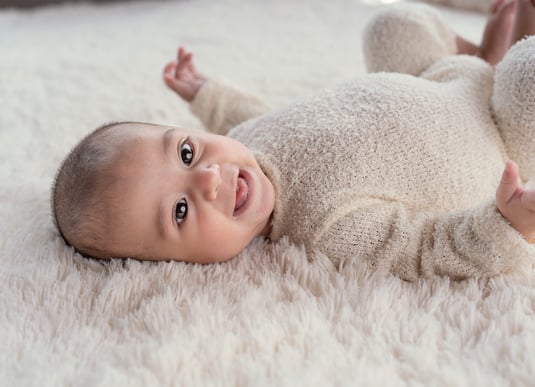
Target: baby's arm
<point>516,203</point>
<point>474,242</point>
<point>220,107</point>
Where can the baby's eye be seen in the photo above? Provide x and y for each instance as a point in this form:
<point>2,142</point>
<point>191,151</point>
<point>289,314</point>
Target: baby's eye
<point>181,210</point>
<point>186,152</point>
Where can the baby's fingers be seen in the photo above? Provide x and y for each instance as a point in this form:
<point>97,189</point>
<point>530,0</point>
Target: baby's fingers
<point>181,53</point>
<point>527,203</point>
<point>169,69</point>
<point>183,56</point>
<point>509,184</point>
<point>527,200</point>
<point>169,73</point>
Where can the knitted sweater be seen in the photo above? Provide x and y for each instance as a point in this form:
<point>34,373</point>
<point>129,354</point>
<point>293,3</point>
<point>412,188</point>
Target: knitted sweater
<point>396,170</point>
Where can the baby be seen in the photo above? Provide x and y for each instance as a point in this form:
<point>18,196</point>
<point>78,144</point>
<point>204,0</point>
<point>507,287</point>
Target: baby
<point>400,168</point>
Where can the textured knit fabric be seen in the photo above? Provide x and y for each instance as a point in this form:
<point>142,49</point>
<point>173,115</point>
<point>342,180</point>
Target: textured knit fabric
<point>396,170</point>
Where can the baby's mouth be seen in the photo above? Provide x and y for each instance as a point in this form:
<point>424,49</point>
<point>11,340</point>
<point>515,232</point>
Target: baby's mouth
<point>242,192</point>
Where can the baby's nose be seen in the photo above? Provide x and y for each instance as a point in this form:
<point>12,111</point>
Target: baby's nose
<point>209,180</point>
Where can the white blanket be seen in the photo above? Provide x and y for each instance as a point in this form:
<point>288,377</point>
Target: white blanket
<point>268,317</point>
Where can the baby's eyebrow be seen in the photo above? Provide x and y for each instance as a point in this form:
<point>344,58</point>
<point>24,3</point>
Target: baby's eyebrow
<point>166,140</point>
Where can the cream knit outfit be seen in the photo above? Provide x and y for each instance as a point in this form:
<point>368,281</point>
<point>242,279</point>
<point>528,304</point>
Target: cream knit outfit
<point>397,170</point>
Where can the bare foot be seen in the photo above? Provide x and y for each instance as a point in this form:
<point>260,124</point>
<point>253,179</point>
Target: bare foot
<point>498,31</point>
<point>524,21</point>
<point>497,35</point>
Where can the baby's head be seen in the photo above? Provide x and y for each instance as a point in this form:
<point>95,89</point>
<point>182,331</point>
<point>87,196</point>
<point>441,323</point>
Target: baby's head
<point>161,193</point>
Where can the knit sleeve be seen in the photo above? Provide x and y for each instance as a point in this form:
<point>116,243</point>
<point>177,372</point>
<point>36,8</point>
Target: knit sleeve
<point>477,242</point>
<point>220,107</point>
<point>407,38</point>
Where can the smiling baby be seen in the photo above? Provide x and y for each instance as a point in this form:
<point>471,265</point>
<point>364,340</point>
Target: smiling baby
<point>402,170</point>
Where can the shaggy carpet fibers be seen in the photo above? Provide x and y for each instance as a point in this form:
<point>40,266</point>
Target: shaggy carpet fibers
<point>272,315</point>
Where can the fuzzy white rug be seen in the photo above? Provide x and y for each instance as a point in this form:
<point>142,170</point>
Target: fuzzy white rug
<point>268,317</point>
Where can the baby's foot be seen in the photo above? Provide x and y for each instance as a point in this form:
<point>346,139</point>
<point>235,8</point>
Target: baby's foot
<point>525,20</point>
<point>498,31</point>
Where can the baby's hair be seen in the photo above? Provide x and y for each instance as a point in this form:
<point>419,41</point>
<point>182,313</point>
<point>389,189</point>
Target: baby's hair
<point>77,192</point>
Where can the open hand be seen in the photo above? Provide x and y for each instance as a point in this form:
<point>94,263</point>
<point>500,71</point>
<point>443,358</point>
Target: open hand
<point>516,203</point>
<point>182,76</point>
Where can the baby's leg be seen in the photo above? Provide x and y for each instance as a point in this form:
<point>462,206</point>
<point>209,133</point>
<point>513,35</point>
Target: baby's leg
<point>513,102</point>
<point>407,38</point>
<point>497,35</point>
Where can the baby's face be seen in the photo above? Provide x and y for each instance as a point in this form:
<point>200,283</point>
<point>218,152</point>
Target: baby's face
<point>186,195</point>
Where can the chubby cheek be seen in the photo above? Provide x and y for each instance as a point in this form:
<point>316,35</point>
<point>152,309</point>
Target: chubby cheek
<point>220,241</point>
<point>241,153</point>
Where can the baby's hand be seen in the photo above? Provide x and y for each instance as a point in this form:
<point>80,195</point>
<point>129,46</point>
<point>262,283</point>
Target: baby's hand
<point>182,77</point>
<point>516,203</point>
